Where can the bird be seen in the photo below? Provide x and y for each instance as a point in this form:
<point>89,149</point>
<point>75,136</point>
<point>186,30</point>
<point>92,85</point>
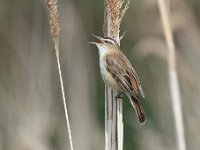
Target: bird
<point>118,73</point>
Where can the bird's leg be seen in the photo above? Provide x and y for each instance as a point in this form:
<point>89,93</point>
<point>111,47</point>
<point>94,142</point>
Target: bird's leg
<point>119,95</point>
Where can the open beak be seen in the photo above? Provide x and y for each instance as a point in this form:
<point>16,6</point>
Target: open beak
<point>99,40</point>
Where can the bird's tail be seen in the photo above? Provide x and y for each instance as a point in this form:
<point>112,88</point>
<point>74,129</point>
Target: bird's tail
<point>139,110</point>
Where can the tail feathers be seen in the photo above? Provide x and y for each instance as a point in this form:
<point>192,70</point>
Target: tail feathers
<point>139,110</point>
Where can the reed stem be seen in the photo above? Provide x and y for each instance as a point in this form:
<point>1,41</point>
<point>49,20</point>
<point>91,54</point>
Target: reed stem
<point>173,77</point>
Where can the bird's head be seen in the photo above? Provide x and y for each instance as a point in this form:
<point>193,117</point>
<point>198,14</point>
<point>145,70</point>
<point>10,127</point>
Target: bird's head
<point>105,43</point>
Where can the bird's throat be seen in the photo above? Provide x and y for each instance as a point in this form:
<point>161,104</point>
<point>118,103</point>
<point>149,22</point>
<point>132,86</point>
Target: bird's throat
<point>102,50</point>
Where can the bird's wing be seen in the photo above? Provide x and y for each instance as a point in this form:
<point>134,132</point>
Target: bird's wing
<point>138,82</point>
<point>121,70</point>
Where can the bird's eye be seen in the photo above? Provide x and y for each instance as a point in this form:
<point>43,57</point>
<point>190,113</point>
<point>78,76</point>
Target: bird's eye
<point>107,41</point>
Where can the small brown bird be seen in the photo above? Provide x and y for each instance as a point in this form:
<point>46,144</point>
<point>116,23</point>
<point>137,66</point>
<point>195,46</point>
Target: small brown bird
<point>118,74</point>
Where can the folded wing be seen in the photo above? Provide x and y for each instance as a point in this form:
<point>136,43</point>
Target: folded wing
<point>124,74</point>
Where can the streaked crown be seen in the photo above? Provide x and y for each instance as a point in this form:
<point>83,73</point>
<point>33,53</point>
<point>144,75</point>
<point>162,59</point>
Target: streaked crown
<point>107,41</point>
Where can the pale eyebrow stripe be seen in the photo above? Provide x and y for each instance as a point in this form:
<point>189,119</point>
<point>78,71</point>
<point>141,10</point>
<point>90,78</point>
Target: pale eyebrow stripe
<point>111,41</point>
<point>108,38</point>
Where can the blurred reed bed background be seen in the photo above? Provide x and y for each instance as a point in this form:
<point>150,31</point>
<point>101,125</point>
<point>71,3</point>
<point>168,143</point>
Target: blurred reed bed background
<point>31,109</point>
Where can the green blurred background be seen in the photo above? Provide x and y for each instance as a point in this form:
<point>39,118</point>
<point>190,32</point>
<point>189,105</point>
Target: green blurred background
<point>31,109</point>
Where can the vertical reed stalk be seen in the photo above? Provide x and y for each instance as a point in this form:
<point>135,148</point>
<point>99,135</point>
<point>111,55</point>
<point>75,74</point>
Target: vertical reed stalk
<point>55,30</point>
<point>113,14</point>
<point>173,78</point>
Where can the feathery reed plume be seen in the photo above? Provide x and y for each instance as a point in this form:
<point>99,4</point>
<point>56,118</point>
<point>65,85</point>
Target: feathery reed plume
<point>173,79</point>
<point>55,30</point>
<point>113,14</point>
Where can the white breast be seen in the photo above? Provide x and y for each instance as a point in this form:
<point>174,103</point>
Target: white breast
<point>107,77</point>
